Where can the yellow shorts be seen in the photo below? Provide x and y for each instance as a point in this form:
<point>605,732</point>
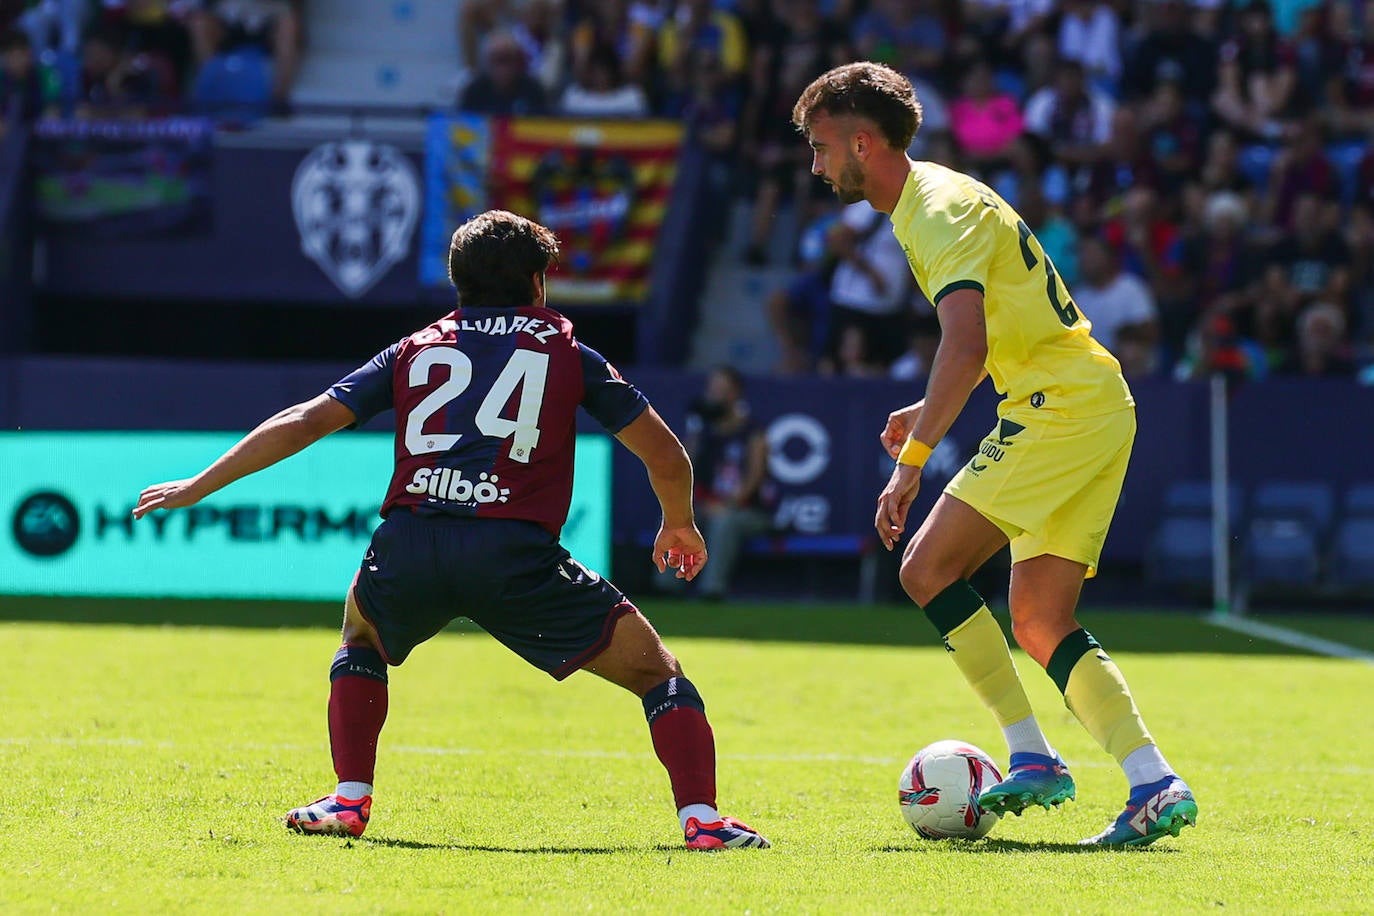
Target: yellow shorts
<point>1050,483</point>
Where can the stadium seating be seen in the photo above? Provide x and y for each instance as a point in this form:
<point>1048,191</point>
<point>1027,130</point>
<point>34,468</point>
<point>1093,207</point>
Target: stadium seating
<point>1181,552</point>
<point>1352,554</point>
<point>1312,502</point>
<point>397,54</point>
<point>1359,501</point>
<point>1281,552</point>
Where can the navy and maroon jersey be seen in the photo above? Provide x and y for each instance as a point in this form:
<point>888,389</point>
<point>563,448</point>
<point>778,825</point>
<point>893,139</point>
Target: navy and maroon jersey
<point>486,408</point>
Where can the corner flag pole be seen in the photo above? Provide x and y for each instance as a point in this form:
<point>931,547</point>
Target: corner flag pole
<point>1221,502</point>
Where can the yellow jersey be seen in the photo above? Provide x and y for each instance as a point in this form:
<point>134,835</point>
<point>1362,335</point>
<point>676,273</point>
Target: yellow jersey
<point>959,234</point>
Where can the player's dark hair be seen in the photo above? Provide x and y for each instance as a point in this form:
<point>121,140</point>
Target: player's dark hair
<point>867,90</point>
<point>494,256</point>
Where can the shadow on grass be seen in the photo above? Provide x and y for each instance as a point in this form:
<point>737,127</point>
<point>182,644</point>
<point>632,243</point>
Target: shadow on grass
<point>521,850</point>
<point>1170,632</point>
<point>1005,847</point>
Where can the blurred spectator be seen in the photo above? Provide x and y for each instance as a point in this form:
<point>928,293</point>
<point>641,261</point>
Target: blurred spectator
<point>1125,162</point>
<point>153,32</point>
<point>1349,90</point>
<point>1302,167</point>
<point>1219,264</point>
<point>1149,242</point>
<point>1056,234</point>
<point>1221,169</point>
<point>729,454</point>
<point>923,339</point>
<point>503,85</point>
<point>1090,35</point>
<point>907,35</point>
<point>853,356</point>
<point>600,90</point>
<point>52,25</point>
<point>1322,347</point>
<point>1002,26</point>
<point>698,24</point>
<point>1312,262</point>
<point>1073,117</point>
<point>1170,49</point>
<point>532,23</point>
<point>1173,134</point>
<point>985,122</point>
<point>249,33</point>
<point>1256,76</point>
<point>1359,238</point>
<point>117,83</point>
<point>1218,347</point>
<point>21,89</point>
<point>806,45</point>
<point>799,313</point>
<point>870,291</point>
<point>1118,304</point>
<point>626,28</point>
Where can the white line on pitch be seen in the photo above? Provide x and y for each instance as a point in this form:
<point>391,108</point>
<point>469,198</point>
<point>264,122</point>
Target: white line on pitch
<point>1286,637</point>
<point>612,755</point>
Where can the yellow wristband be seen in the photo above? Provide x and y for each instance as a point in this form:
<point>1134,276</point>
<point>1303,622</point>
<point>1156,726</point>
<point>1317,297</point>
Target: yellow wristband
<point>914,453</point>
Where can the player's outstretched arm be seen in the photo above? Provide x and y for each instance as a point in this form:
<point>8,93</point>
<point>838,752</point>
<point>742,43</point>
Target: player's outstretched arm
<point>679,544</point>
<point>278,437</point>
<point>957,369</point>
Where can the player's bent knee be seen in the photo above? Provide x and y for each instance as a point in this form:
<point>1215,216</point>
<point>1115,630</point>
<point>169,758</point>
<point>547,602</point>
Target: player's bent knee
<point>922,581</point>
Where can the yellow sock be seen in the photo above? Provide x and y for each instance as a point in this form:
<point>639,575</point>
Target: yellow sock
<point>972,636</point>
<point>1096,693</point>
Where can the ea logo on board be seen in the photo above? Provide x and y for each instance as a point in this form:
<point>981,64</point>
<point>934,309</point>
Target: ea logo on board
<point>356,204</point>
<point>46,524</point>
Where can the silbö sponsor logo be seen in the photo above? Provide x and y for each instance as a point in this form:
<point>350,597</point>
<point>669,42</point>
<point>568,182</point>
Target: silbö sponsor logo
<point>450,484</point>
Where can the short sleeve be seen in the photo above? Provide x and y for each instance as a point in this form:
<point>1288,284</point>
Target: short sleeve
<point>960,241</point>
<point>367,390</point>
<point>611,401</point>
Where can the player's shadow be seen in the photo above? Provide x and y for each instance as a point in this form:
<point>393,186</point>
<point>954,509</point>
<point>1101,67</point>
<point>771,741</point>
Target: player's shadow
<point>522,850</point>
<point>1006,847</point>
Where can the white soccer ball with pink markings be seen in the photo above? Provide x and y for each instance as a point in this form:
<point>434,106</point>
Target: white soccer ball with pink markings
<point>939,790</point>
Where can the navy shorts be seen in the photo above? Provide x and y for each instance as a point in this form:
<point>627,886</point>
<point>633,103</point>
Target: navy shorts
<point>512,578</point>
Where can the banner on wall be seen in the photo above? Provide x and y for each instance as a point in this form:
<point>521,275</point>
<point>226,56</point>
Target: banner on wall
<point>294,531</point>
<point>602,186</point>
<point>123,179</point>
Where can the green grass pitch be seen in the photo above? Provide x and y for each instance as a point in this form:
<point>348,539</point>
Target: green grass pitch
<point>147,766</point>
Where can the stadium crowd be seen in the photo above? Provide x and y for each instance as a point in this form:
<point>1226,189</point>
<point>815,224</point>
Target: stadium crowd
<point>1200,172</point>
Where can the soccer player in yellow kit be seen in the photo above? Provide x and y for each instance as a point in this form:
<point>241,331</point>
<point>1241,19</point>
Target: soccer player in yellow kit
<point>1046,479</point>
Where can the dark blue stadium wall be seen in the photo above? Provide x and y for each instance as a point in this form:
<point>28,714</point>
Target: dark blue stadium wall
<point>16,243</point>
<point>825,431</point>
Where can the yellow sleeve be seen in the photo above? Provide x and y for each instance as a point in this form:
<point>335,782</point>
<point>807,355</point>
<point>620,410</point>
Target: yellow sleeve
<point>959,241</point>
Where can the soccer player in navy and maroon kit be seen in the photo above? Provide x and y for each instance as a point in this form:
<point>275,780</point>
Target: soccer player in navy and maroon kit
<point>486,401</point>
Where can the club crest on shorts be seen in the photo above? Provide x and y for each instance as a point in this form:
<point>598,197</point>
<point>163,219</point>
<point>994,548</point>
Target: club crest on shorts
<point>356,204</point>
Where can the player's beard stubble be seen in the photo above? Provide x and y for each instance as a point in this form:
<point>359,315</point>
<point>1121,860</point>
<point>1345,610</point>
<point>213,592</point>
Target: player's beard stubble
<point>849,184</point>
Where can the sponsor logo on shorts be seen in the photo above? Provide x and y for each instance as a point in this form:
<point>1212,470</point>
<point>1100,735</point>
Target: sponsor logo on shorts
<point>1038,400</point>
<point>450,484</point>
<point>995,446</point>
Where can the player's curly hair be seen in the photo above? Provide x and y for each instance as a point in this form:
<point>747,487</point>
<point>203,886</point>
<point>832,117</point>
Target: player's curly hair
<point>868,90</point>
<point>494,256</point>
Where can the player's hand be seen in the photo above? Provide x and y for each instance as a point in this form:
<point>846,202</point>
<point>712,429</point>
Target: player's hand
<point>899,426</point>
<point>682,549</point>
<point>174,494</point>
<point>894,503</point>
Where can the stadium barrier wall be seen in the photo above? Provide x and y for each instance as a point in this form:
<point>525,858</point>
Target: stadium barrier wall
<point>826,457</point>
<point>16,243</point>
<point>296,530</point>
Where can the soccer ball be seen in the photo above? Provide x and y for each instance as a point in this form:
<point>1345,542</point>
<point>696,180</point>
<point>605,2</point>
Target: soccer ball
<point>939,790</point>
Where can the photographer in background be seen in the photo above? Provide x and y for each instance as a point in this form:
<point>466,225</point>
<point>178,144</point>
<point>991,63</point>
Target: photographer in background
<point>730,454</point>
